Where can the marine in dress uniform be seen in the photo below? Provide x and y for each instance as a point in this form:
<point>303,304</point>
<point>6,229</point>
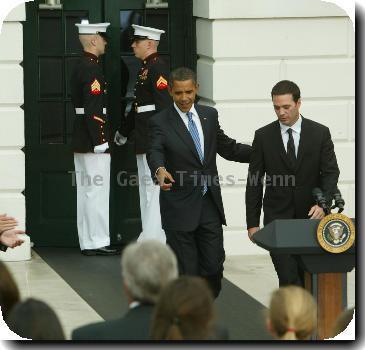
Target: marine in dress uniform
<point>90,143</point>
<point>151,96</point>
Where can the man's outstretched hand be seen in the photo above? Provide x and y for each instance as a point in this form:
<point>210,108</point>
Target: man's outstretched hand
<point>7,223</point>
<point>10,238</point>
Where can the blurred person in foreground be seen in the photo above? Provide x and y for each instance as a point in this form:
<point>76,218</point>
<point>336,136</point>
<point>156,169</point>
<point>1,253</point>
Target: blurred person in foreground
<point>36,320</point>
<point>147,267</point>
<point>185,311</point>
<point>292,314</point>
<point>9,292</point>
<point>342,321</point>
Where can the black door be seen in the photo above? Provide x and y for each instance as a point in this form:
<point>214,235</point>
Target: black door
<point>51,48</point>
<point>177,49</point>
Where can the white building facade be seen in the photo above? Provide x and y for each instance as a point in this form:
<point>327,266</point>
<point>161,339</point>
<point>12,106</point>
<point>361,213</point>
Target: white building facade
<point>12,158</point>
<point>244,48</point>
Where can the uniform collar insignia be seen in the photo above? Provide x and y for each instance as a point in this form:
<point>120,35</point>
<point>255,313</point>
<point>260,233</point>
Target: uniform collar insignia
<point>150,57</point>
<point>91,55</point>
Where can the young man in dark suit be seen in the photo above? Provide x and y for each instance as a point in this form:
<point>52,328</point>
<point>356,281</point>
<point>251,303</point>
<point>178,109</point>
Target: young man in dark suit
<point>184,141</point>
<point>296,155</point>
<point>146,268</point>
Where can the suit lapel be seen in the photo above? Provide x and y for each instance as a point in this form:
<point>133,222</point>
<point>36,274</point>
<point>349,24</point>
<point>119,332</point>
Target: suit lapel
<point>182,131</point>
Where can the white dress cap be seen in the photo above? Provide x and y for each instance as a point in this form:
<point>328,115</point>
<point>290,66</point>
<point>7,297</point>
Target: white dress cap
<point>147,32</point>
<point>91,28</point>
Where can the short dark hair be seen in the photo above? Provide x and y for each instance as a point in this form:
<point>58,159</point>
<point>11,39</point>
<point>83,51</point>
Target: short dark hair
<point>286,87</point>
<point>182,74</point>
<point>36,320</point>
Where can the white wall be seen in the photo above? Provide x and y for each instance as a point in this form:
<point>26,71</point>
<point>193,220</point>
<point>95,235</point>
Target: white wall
<point>244,48</point>
<point>12,160</point>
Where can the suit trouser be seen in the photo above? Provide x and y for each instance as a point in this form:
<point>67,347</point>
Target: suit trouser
<point>201,252</point>
<point>149,199</point>
<point>93,185</point>
<point>288,270</point>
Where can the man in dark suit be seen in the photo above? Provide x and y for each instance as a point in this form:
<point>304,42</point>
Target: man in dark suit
<point>146,268</point>
<point>184,141</point>
<point>297,155</point>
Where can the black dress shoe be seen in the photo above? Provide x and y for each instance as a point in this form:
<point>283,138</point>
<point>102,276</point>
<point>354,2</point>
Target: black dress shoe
<point>100,251</point>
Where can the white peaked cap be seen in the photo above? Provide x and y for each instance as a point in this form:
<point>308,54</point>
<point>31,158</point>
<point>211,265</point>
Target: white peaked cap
<point>91,28</point>
<point>147,32</point>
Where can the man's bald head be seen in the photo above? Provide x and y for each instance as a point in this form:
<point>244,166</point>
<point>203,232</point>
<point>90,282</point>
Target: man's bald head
<point>93,43</point>
<point>86,40</point>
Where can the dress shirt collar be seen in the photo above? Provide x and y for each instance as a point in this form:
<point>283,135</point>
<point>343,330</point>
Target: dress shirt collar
<point>296,127</point>
<point>183,114</point>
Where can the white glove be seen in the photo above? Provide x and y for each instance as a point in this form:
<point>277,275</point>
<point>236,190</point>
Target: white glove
<point>101,148</point>
<point>119,139</point>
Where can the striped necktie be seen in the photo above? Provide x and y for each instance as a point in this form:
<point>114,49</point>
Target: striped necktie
<point>195,136</point>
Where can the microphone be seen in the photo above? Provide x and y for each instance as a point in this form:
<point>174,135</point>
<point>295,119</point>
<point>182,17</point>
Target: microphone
<point>339,201</point>
<point>320,200</point>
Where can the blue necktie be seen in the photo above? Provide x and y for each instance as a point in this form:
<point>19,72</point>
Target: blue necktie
<point>195,135</point>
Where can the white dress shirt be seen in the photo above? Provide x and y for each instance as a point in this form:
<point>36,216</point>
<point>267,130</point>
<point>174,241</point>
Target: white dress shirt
<point>196,120</point>
<point>297,128</point>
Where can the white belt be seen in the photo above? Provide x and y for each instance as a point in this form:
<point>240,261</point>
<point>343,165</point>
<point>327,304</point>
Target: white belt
<point>146,108</point>
<point>82,110</point>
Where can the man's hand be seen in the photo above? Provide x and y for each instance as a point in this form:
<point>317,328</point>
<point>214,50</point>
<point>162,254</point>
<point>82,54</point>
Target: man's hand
<point>316,212</point>
<point>251,231</point>
<point>10,238</point>
<point>119,139</point>
<point>7,223</point>
<point>164,176</point>
<point>101,148</point>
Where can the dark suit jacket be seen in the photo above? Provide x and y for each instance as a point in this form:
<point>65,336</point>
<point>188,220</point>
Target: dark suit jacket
<point>171,146</point>
<point>134,325</point>
<point>288,191</point>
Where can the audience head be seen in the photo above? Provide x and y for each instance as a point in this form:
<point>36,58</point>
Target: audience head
<point>146,268</point>
<point>9,293</point>
<point>184,311</point>
<point>342,321</point>
<point>34,319</point>
<point>292,314</point>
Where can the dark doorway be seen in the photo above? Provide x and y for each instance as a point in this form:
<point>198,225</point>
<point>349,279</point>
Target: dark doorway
<point>51,48</point>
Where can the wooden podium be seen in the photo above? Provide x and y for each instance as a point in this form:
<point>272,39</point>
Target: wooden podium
<point>326,273</point>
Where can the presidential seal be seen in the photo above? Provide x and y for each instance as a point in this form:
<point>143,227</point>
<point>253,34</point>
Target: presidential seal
<point>336,233</point>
